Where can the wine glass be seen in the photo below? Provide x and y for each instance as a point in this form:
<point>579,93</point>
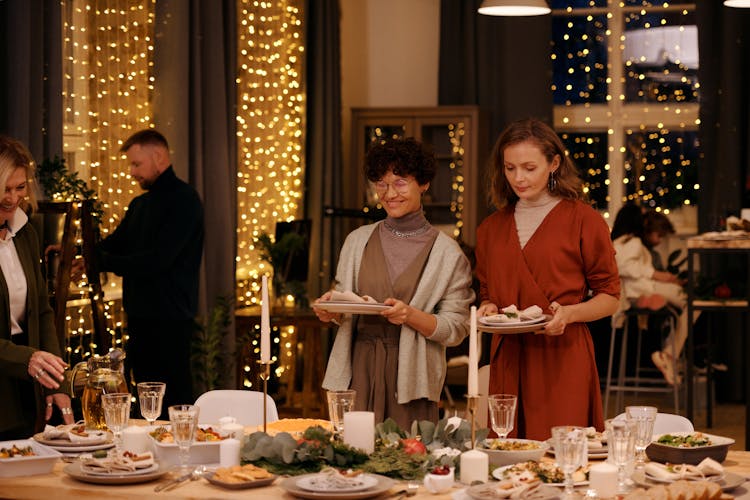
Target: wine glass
<point>644,417</point>
<point>571,452</point>
<point>502,413</point>
<point>621,448</point>
<point>340,402</point>
<point>150,396</point>
<point>184,422</point>
<point>116,407</point>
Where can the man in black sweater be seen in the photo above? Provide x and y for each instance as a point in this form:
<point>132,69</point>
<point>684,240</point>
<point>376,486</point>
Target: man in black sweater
<point>157,249</point>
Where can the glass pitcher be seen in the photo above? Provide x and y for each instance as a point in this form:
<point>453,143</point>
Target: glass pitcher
<point>94,377</point>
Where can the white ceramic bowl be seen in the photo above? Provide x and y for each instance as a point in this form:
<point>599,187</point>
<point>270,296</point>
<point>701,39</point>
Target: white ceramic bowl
<point>508,457</point>
<point>41,463</point>
<point>201,453</point>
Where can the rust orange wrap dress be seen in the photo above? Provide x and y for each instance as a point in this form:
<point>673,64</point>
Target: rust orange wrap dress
<point>569,254</point>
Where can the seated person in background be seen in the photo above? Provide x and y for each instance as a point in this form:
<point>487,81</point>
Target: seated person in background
<point>634,235</point>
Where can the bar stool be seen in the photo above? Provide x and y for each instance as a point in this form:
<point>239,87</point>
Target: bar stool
<point>667,320</point>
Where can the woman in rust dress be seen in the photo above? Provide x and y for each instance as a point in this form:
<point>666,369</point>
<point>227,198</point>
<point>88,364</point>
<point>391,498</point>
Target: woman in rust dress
<point>544,246</point>
<point>395,359</point>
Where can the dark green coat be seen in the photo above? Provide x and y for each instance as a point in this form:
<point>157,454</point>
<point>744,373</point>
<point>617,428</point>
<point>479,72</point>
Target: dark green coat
<point>39,324</point>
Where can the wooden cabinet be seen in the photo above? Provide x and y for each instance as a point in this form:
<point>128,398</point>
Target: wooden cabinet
<point>455,200</point>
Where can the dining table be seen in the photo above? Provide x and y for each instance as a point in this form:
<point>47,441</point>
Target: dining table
<point>58,485</point>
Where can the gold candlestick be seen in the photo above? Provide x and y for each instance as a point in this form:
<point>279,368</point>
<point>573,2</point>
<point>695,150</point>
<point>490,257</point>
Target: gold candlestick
<point>471,405</point>
<point>265,374</point>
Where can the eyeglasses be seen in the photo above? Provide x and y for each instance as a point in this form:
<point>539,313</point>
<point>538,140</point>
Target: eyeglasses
<point>401,186</point>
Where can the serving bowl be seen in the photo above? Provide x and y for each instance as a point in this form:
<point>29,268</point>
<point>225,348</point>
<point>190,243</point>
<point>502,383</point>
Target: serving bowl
<point>508,457</point>
<point>41,462</point>
<point>665,453</point>
<point>201,452</point>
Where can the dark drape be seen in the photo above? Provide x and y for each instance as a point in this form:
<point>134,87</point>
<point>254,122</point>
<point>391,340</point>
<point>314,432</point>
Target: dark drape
<point>31,74</point>
<point>501,64</point>
<point>724,74</point>
<point>194,105</point>
<point>324,157</point>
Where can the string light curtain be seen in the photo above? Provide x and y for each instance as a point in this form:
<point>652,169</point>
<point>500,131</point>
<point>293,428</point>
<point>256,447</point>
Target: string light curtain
<point>270,129</point>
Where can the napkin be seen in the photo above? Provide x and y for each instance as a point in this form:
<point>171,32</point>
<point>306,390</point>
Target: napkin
<point>127,462</point>
<point>705,469</point>
<point>75,433</point>
<point>511,314</point>
<point>349,296</point>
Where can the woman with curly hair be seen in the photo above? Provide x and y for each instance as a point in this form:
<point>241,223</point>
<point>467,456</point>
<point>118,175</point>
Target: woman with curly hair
<point>544,246</point>
<point>395,359</point>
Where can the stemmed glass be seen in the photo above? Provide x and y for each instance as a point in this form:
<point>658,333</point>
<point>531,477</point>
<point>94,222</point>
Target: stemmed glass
<point>184,422</point>
<point>502,413</point>
<point>571,452</point>
<point>116,407</point>
<point>621,448</point>
<point>644,417</point>
<point>340,402</point>
<point>150,396</point>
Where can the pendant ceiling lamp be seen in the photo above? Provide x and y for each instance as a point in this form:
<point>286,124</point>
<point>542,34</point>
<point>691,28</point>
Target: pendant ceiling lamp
<point>514,7</point>
<point>737,3</point>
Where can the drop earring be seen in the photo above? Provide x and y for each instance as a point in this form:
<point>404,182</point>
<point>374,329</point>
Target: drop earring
<point>552,182</point>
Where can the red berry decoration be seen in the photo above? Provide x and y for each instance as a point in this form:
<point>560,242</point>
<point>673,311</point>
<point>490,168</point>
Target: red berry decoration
<point>441,470</point>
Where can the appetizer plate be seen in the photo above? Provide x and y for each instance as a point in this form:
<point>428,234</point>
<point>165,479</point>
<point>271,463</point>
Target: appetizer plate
<point>74,471</point>
<point>351,307</point>
<point>383,485</point>
<point>499,475</point>
<point>490,491</point>
<point>322,483</point>
<point>506,328</point>
<point>239,486</point>
<point>96,471</point>
<point>728,482</point>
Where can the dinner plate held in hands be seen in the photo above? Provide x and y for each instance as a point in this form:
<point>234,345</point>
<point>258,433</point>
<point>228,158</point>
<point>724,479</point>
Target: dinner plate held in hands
<point>351,307</point>
<point>518,327</point>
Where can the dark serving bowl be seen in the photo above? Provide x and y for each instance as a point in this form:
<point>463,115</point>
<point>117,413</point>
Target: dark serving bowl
<point>658,452</point>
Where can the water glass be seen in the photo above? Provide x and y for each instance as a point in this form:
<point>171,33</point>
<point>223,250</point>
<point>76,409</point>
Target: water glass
<point>571,452</point>
<point>340,402</point>
<point>116,407</point>
<point>621,448</point>
<point>150,397</point>
<point>502,413</point>
<point>184,422</point>
<point>644,417</point>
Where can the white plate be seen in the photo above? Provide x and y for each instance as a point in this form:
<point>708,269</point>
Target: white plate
<point>729,482</point>
<point>488,321</point>
<point>498,474</point>
<point>351,307</point>
<point>94,471</point>
<point>74,471</point>
<point>104,438</point>
<point>488,491</point>
<point>593,453</point>
<point>41,462</point>
<point>80,449</point>
<point>384,484</point>
<point>506,328</point>
<point>322,483</point>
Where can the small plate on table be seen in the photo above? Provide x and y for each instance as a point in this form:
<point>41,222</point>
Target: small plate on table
<point>351,307</point>
<point>523,326</point>
<point>98,471</point>
<point>727,482</point>
<point>74,471</point>
<point>491,491</point>
<point>291,486</point>
<point>243,485</point>
<point>101,441</point>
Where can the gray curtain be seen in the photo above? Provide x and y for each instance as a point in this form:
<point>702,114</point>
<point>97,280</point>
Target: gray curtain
<point>194,106</point>
<point>324,158</point>
<point>31,74</point>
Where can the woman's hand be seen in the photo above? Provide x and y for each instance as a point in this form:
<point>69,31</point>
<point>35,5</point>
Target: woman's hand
<point>561,318</point>
<point>487,309</point>
<point>398,313</point>
<point>47,369</point>
<point>62,401</point>
<point>326,316</point>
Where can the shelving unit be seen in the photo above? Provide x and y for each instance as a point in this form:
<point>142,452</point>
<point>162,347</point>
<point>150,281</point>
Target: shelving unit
<point>702,245</point>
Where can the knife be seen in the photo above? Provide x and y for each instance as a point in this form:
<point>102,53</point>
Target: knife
<point>173,482</point>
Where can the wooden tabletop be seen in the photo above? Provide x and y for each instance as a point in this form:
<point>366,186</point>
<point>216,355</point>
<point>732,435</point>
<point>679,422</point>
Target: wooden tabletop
<point>59,486</point>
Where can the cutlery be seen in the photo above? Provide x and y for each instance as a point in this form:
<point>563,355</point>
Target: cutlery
<point>173,482</point>
<point>193,476</point>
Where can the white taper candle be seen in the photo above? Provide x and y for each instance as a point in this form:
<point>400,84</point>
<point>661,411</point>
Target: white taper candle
<point>473,381</point>
<point>265,323</point>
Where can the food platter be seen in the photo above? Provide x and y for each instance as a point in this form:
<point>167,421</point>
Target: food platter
<point>383,485</point>
<point>517,327</point>
<point>351,307</point>
<point>239,486</point>
<point>524,470</point>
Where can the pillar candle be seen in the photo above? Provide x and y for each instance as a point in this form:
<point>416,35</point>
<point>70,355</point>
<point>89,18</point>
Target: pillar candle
<point>474,466</point>
<point>265,323</point>
<point>229,452</point>
<point>233,430</point>
<point>359,430</point>
<point>135,439</point>
<point>473,382</point>
<point>603,480</point>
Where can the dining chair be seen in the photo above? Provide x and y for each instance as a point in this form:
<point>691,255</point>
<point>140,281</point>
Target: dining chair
<point>667,422</point>
<point>245,406</point>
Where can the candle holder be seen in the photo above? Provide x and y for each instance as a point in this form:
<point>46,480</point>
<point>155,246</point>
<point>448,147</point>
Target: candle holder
<point>265,374</point>
<point>471,405</point>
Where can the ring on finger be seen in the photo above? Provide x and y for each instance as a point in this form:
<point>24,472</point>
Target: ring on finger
<point>40,372</point>
<point>66,411</point>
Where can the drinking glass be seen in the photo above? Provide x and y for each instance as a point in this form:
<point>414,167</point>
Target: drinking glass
<point>340,402</point>
<point>621,448</point>
<point>571,452</point>
<point>644,417</point>
<point>116,407</point>
<point>150,396</point>
<point>502,413</point>
<point>184,422</point>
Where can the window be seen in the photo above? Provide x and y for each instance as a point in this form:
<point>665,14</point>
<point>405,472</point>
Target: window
<point>626,101</point>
